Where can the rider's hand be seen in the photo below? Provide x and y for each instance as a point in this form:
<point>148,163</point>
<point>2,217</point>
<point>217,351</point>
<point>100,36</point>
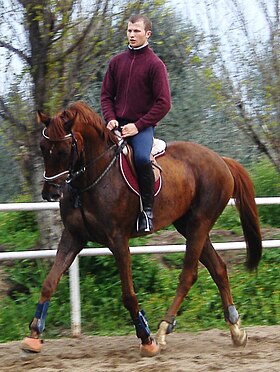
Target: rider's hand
<point>112,124</point>
<point>129,130</point>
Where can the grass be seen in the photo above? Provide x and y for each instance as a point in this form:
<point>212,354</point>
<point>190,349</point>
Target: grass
<point>256,296</point>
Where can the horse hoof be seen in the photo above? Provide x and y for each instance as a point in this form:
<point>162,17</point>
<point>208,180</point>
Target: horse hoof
<point>240,340</point>
<point>149,350</point>
<point>238,335</point>
<point>30,344</point>
<point>161,334</point>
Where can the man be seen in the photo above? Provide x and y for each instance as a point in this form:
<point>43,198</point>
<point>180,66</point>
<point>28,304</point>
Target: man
<point>135,96</point>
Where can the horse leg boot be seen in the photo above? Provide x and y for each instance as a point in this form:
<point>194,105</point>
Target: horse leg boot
<point>217,268</point>
<point>148,347</point>
<point>33,343</point>
<point>197,234</point>
<point>146,180</point>
<point>68,249</point>
<point>187,278</point>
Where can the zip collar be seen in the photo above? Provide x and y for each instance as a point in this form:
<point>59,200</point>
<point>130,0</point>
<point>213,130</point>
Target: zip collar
<point>139,48</point>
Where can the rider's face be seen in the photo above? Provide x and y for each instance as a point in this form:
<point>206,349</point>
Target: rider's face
<point>136,34</point>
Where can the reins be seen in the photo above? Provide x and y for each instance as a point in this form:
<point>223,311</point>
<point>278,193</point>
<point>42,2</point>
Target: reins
<point>75,192</point>
<point>75,175</point>
<point>107,169</point>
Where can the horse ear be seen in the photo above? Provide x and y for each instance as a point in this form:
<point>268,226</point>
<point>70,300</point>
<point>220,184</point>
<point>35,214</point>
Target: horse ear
<point>68,123</point>
<point>43,118</point>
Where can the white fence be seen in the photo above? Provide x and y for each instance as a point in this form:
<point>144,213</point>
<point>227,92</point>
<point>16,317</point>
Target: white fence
<point>74,269</point>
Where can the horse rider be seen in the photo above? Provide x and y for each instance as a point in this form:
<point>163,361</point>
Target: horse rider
<point>135,96</point>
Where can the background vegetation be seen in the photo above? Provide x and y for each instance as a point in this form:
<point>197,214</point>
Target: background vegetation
<point>256,294</point>
<point>225,94</point>
<point>56,52</point>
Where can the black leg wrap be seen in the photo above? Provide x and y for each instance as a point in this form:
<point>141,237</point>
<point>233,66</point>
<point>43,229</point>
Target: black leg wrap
<point>40,315</point>
<point>142,326</point>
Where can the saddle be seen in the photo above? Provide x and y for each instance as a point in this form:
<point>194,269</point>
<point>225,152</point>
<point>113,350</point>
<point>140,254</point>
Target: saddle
<point>128,169</point>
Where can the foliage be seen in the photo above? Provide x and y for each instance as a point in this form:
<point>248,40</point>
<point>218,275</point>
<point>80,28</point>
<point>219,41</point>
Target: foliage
<point>19,230</point>
<point>256,296</point>
<point>9,180</point>
<point>155,280</point>
<point>229,220</point>
<point>69,62</point>
<point>266,180</point>
<point>267,183</point>
<point>247,73</point>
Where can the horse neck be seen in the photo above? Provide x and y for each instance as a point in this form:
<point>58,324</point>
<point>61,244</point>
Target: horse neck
<point>97,151</point>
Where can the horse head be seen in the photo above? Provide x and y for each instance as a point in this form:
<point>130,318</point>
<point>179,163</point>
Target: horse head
<point>62,152</point>
<point>71,139</point>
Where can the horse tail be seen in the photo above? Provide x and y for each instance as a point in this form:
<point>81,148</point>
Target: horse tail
<point>244,196</point>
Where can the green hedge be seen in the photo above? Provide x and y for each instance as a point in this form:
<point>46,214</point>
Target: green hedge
<point>155,279</point>
<point>256,297</point>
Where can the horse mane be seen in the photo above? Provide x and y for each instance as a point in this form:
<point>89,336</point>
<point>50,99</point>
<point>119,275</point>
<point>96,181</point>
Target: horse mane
<point>85,115</point>
<point>82,115</point>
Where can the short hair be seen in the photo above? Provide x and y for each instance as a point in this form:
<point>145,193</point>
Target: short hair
<point>139,17</point>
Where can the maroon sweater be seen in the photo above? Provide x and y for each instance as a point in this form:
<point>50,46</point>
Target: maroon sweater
<point>135,88</point>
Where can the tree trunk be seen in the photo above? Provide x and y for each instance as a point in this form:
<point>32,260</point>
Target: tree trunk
<point>49,221</point>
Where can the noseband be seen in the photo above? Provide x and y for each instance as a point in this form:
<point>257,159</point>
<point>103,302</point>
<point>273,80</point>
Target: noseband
<point>74,149</point>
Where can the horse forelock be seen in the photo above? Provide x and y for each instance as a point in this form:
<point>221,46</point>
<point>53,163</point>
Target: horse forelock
<point>56,129</point>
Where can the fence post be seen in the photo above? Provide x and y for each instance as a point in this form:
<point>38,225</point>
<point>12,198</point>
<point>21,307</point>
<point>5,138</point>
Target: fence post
<point>74,279</point>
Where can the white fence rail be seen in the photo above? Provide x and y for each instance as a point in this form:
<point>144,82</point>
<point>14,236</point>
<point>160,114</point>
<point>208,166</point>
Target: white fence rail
<point>74,269</point>
<point>11,207</point>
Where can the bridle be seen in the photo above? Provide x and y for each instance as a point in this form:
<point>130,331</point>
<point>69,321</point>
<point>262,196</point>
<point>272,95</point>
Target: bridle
<point>73,175</point>
<point>74,149</point>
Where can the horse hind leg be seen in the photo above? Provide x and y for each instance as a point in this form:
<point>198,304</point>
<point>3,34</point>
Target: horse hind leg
<point>187,278</point>
<point>217,269</point>
<point>67,251</point>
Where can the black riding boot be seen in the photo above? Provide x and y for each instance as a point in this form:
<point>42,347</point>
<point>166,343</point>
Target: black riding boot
<point>146,180</point>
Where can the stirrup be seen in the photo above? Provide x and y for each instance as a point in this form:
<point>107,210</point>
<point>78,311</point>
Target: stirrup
<point>144,223</point>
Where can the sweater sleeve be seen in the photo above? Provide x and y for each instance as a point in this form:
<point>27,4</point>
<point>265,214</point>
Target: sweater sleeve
<point>162,98</point>
<point>108,95</point>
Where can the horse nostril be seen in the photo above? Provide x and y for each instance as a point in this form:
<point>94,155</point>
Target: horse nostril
<point>51,197</point>
<point>51,194</point>
<point>45,196</point>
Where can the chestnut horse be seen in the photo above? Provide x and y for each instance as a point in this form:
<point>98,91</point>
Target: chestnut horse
<point>82,171</point>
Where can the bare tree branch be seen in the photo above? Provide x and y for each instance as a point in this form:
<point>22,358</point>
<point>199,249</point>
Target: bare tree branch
<point>16,51</point>
<point>8,115</point>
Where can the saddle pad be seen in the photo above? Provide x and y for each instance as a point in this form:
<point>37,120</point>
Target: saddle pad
<point>159,147</point>
<point>130,179</point>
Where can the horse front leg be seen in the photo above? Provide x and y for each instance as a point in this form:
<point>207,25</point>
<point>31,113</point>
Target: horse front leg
<point>149,347</point>
<point>68,249</point>
<point>218,271</point>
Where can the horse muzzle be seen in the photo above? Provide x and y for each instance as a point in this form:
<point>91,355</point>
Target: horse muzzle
<point>52,192</point>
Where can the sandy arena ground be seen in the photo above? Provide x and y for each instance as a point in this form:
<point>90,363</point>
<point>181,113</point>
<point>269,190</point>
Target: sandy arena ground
<point>202,351</point>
